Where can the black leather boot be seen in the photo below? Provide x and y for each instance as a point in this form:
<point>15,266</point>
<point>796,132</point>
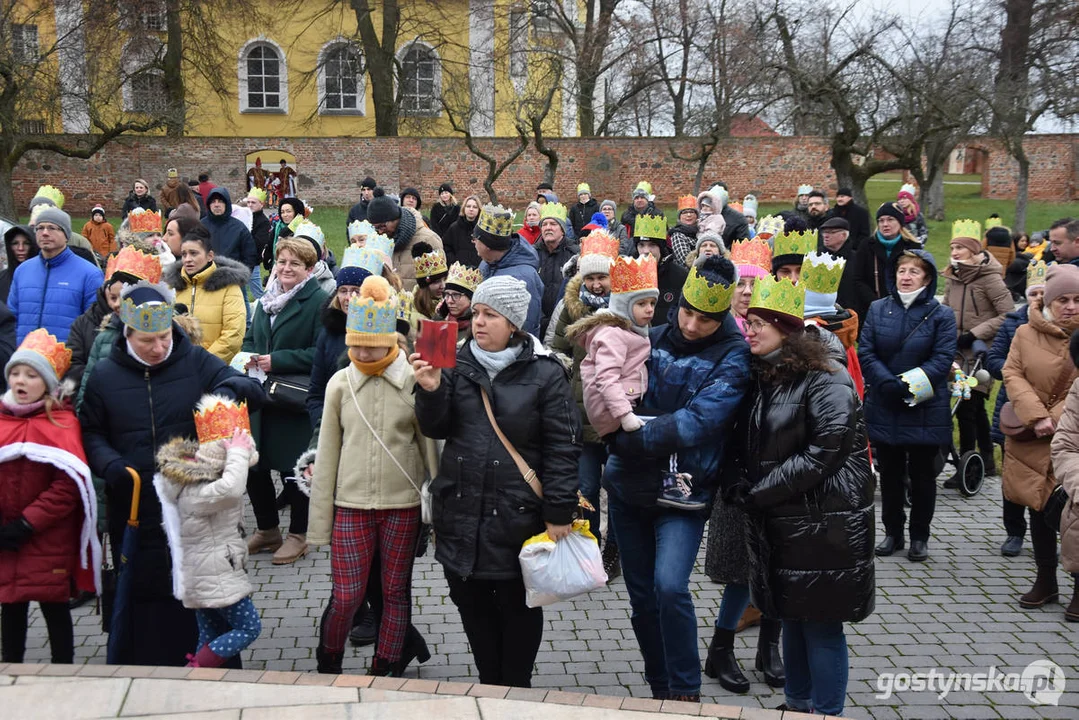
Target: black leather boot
<point>1045,589</point>
<point>415,649</point>
<point>768,660</point>
<point>722,665</point>
<point>329,663</point>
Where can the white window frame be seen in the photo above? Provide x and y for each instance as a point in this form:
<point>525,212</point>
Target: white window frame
<point>26,50</point>
<point>361,85</point>
<point>133,59</point>
<point>436,87</point>
<point>282,77</point>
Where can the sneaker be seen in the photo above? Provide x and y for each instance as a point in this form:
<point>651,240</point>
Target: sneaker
<point>1012,546</point>
<point>678,493</point>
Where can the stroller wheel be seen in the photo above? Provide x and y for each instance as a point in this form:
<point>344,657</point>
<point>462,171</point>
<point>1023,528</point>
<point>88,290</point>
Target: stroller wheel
<point>971,472</point>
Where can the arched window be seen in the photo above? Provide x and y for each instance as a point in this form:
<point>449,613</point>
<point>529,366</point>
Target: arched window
<point>263,77</point>
<point>421,80</point>
<point>341,88</point>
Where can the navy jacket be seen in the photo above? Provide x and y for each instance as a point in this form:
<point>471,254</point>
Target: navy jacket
<point>994,361</point>
<point>521,262</point>
<point>229,236</point>
<point>329,349</point>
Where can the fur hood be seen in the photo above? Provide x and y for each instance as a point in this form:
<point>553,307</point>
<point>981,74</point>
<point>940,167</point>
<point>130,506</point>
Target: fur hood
<point>228,272</point>
<point>572,299</point>
<point>177,462</point>
<point>580,329</point>
<point>332,318</point>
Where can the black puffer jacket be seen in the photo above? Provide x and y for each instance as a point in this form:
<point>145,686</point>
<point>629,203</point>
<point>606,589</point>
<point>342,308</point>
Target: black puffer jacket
<point>8,273</point>
<point>581,214</point>
<point>811,516</point>
<point>146,202</point>
<point>483,509</point>
<point>457,243</point>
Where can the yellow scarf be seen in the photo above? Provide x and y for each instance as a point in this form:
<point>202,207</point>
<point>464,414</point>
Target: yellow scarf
<point>376,368</point>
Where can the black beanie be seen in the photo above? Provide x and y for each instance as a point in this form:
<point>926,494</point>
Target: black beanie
<point>445,187</point>
<point>382,209</point>
<point>414,193</point>
<point>998,237</point>
<point>368,182</point>
<point>891,209</point>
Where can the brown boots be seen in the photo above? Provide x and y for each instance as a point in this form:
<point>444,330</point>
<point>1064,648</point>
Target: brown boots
<point>1045,589</point>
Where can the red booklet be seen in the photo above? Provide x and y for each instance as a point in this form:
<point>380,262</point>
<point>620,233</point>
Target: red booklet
<point>437,343</point>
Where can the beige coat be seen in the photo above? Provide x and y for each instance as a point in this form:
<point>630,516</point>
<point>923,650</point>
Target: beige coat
<point>980,299</point>
<point>402,259</point>
<point>1038,357</point>
<point>351,468</point>
<point>1066,469</point>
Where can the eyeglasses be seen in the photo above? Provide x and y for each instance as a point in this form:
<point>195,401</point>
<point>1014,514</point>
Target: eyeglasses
<point>757,325</point>
<point>46,226</point>
<point>453,296</point>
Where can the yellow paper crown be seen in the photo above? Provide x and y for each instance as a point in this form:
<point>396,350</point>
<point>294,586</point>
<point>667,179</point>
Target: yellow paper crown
<point>257,193</point>
<point>464,277</point>
<point>216,418</point>
<point>56,353</point>
<point>599,242</point>
<point>1036,272</point>
<point>53,194</point>
<point>143,220</point>
<point>134,262</point>
<point>172,173</point>
<point>430,264</point>
<point>372,312</point>
<point>769,226</point>
<point>495,220</point>
<point>755,253</point>
<point>821,273</point>
<point>650,226</point>
<point>992,222</point>
<point>967,228</point>
<point>687,202</point>
<point>583,188</point>
<point>553,210</point>
<point>779,296</point>
<point>629,275</point>
<point>794,243</point>
<point>704,295</point>
<point>645,186</point>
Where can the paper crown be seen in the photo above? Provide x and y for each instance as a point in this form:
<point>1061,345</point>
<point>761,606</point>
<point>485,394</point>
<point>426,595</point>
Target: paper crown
<point>821,273</point>
<point>553,210</point>
<point>599,242</point>
<point>644,186</point>
<point>56,353</point>
<point>687,202</point>
<point>216,418</point>
<point>406,301</point>
<point>364,257</point>
<point>992,222</point>
<point>967,228</point>
<point>1036,272</point>
<point>704,295</point>
<point>172,173</point>
<point>312,231</point>
<point>496,220</point>
<point>805,189</point>
<point>918,384</point>
<point>361,227</point>
<point>735,206</point>
<point>794,243</point>
<point>152,316</point>
<point>909,188</point>
<point>630,275</point>
<point>752,253</point>
<point>53,194</point>
<point>373,311</point>
<point>583,188</point>
<point>257,193</point>
<point>650,226</point>
<point>136,263</point>
<point>779,296</point>
<point>143,220</point>
<point>769,226</point>
<point>430,264</point>
<point>464,277</point>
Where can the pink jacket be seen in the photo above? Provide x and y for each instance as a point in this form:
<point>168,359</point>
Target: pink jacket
<point>613,372</point>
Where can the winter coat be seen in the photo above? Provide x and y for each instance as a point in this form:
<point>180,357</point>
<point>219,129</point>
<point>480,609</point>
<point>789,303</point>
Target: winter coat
<point>630,216</point>
<point>83,333</point>
<point>209,507</point>
<point>618,230</point>
<point>683,241</point>
<point>672,276</point>
<point>581,214</point>
<point>1004,256</point>
<point>169,196</point>
<point>483,508</point>
<point>43,569</point>
<point>1032,373</point>
<point>550,272</point>
<point>102,237</point>
<point>442,217</point>
<point>694,390</point>
<point>351,469</point>
<point>458,242</point>
<point>613,372</point>
<point>918,228</point>
<point>229,237</point>
<point>402,247</point>
<point>847,296</point>
<point>520,262</point>
<point>994,363</point>
<point>568,312</point>
<point>530,233</point>
<point>858,219</point>
<point>895,339</point>
<point>874,274</point>
<point>737,227</point>
<point>283,435</point>
<point>261,232</point>
<point>979,298</point>
<point>146,202</point>
<point>215,295</point>
<point>7,340</point>
<point>8,273</point>
<point>1065,454</point>
<point>52,293</point>
<point>330,356</point>
<point>810,518</point>
<point>1015,277</point>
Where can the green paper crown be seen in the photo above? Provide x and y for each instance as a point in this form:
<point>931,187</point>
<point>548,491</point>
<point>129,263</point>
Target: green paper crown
<point>794,243</point>
<point>821,273</point>
<point>1036,272</point>
<point>53,194</point>
<point>967,229</point>
<point>778,296</point>
<point>703,295</point>
<point>554,210</point>
<point>650,226</point>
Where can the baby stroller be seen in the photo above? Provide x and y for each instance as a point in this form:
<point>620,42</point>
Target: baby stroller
<point>969,466</point>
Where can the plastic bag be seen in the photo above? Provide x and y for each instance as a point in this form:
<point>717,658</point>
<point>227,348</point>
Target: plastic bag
<point>561,570</point>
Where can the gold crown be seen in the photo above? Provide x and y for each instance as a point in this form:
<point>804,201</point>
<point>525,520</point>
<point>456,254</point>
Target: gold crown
<point>687,202</point>
<point>629,275</point>
<point>143,220</point>
<point>361,227</point>
<point>584,188</point>
<point>1036,272</point>
<point>821,273</point>
<point>257,193</point>
<point>704,295</point>
<point>495,220</point>
<point>753,253</point>
<point>405,302</point>
<point>967,228</point>
<point>172,173</point>
<point>53,194</point>
<point>650,226</point>
<point>134,262</point>
<point>430,264</point>
<point>599,242</point>
<point>150,317</point>
<point>216,418</point>
<point>553,210</point>
<point>464,277</point>
<point>779,296</point>
<point>769,226</point>
<point>56,353</point>
<point>794,243</point>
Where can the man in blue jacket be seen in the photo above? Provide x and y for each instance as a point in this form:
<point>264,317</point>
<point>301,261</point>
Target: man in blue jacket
<point>52,289</point>
<point>503,252</point>
<point>229,236</point>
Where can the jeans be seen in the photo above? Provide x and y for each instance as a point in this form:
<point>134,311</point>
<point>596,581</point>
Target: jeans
<point>589,474</point>
<point>815,658</point>
<point>658,549</point>
<point>732,606</point>
<point>916,461</point>
<point>229,630</point>
<point>255,283</point>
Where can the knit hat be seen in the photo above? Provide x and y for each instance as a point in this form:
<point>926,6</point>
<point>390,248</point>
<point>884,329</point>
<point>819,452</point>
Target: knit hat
<point>890,209</point>
<point>429,263</point>
<point>507,296</point>
<point>98,210</point>
<point>998,236</point>
<point>57,217</point>
<point>907,191</point>
<point>1061,280</point>
<point>709,287</point>
<point>612,203</point>
<point>598,221</point>
<point>183,210</point>
<point>382,208</point>
<point>494,227</point>
<point>414,193</point>
<point>368,182</point>
<point>353,275</point>
<point>779,302</point>
<point>41,351</point>
<point>445,187</point>
<point>632,280</point>
<point>598,251</point>
<point>749,206</point>
<point>844,191</point>
<point>714,238</point>
<point>544,186</point>
<point>372,315</point>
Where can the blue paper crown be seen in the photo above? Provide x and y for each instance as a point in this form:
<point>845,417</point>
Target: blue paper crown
<point>381,243</point>
<point>370,260</point>
<point>150,317</point>
<point>370,317</point>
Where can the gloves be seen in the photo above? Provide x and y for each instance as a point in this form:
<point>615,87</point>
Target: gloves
<point>14,534</point>
<point>226,392</point>
<point>117,477</point>
<point>892,390</point>
<point>739,495</point>
<point>966,340</point>
<point>631,422</point>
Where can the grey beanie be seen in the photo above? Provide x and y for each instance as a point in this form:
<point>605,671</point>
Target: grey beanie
<point>507,296</point>
<point>56,216</point>
<point>38,362</point>
<point>621,304</point>
<point>605,203</point>
<point>712,238</point>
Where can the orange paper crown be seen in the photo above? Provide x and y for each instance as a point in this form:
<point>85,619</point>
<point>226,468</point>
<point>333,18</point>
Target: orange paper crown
<point>145,221</point>
<point>600,242</point>
<point>134,262</point>
<point>634,274</point>
<point>687,202</point>
<point>216,418</point>
<point>752,252</point>
<point>40,341</point>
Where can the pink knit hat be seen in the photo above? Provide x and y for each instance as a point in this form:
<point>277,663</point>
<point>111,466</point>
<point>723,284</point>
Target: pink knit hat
<point>1061,280</point>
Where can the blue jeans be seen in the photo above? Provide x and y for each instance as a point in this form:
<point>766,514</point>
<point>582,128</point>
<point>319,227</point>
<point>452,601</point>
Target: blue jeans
<point>229,630</point>
<point>255,283</point>
<point>815,657</point>
<point>658,549</point>
<point>589,474</point>
<point>732,606</point>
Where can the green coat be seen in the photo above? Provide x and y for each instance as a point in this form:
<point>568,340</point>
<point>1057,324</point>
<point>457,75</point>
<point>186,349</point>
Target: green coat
<point>282,436</point>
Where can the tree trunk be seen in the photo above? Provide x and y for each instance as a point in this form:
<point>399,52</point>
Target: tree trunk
<point>7,192</point>
<point>586,113</point>
<point>1022,188</point>
<point>847,175</point>
<point>379,55</point>
<point>933,194</point>
<point>173,69</point>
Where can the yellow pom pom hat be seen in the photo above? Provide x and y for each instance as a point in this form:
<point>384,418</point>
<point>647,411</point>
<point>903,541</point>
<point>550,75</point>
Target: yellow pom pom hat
<point>372,315</point>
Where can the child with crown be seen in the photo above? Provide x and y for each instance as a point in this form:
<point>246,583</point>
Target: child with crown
<point>201,485</point>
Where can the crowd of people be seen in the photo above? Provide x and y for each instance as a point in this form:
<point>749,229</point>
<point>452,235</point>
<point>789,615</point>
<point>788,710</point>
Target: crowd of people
<point>734,373</point>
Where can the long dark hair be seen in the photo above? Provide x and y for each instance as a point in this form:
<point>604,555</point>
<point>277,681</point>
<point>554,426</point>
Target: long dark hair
<point>799,354</point>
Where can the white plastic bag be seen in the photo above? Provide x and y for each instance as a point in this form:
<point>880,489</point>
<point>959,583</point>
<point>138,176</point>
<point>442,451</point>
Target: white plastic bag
<point>561,570</point>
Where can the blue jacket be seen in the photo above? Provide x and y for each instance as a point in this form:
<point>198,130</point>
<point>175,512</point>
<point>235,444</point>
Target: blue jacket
<point>229,236</point>
<point>521,262</point>
<point>52,293</point>
<point>994,362</point>
<point>896,339</point>
<point>694,390</point>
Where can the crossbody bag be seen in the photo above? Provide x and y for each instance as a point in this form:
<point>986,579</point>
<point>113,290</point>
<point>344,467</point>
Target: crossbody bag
<point>529,475</point>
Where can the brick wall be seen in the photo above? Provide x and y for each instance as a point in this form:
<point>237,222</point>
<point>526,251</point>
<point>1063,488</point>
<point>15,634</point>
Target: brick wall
<point>331,168</point>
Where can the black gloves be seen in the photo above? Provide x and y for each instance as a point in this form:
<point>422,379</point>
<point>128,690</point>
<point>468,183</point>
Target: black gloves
<point>739,495</point>
<point>966,340</point>
<point>117,478</point>
<point>14,534</point>
<point>892,390</point>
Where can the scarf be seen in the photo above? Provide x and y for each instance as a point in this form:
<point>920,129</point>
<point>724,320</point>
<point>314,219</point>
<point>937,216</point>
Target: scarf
<point>140,361</point>
<point>376,368</point>
<point>889,245</point>
<point>495,362</point>
<point>596,302</point>
<point>274,299</point>
<point>21,410</point>
<point>908,298</point>
<point>406,228</point>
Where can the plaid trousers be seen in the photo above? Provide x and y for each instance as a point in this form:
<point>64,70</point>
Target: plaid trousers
<point>356,536</point>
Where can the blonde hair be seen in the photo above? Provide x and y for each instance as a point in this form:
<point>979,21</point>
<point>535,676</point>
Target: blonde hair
<point>302,249</point>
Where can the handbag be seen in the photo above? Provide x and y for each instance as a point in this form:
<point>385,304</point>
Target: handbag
<point>287,391</point>
<point>529,475</point>
<point>1013,427</point>
<point>1053,510</point>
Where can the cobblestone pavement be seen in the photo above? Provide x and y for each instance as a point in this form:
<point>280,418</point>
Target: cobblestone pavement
<point>956,612</point>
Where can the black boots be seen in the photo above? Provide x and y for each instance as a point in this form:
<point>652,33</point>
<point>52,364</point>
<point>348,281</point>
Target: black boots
<point>768,659</point>
<point>890,544</point>
<point>329,663</point>
<point>1045,589</point>
<point>722,665</point>
<point>611,565</point>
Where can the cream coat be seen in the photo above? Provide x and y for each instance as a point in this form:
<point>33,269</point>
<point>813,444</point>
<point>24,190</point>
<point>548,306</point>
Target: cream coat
<point>351,468</point>
<point>1066,469</point>
<point>402,259</point>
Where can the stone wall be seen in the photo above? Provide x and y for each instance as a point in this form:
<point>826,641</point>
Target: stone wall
<point>331,169</point>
